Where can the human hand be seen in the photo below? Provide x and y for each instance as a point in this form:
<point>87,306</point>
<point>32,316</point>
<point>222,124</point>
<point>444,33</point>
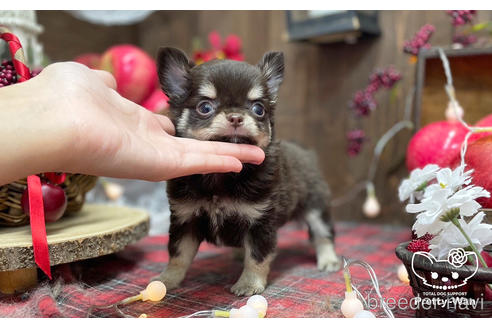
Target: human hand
<point>70,119</point>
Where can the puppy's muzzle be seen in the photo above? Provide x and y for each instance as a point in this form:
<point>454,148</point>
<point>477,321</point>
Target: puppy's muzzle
<point>236,120</point>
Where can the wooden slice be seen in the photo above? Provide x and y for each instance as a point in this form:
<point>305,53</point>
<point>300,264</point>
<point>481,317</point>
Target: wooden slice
<point>94,231</point>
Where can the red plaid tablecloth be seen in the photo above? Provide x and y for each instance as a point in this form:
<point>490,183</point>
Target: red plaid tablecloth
<point>296,288</point>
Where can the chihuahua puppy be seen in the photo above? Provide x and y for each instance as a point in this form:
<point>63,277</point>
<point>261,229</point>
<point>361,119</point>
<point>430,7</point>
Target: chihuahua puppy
<point>232,101</point>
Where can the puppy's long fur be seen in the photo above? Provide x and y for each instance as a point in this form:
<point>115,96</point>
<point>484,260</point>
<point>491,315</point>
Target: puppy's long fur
<point>235,102</point>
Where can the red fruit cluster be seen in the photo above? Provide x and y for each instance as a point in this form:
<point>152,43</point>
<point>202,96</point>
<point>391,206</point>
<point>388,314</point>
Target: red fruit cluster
<point>461,17</point>
<point>355,140</point>
<point>364,101</point>
<point>420,40</point>
<point>385,78</point>
<point>426,237</point>
<point>8,75</point>
<point>418,245</point>
<point>231,48</point>
<point>465,39</point>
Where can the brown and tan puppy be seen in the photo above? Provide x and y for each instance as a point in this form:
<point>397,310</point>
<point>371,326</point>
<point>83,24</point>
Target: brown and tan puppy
<point>234,101</point>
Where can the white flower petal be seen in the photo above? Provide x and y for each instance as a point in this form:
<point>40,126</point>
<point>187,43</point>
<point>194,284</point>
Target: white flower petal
<point>450,237</point>
<point>469,208</point>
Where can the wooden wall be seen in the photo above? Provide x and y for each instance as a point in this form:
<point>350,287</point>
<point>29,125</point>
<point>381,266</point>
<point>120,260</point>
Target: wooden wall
<point>319,82</point>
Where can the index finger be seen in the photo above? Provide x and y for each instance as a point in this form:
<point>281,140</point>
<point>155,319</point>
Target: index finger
<point>243,152</point>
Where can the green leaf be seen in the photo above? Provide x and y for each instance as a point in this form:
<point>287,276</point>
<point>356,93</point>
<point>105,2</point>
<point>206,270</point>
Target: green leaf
<point>480,26</point>
<point>394,92</point>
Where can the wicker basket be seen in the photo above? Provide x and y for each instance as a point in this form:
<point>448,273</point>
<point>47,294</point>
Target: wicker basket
<point>11,213</point>
<point>75,185</point>
<point>474,288</point>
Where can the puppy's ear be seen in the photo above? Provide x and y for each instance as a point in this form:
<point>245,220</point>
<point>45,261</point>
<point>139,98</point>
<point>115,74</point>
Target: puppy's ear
<point>174,73</point>
<point>272,67</point>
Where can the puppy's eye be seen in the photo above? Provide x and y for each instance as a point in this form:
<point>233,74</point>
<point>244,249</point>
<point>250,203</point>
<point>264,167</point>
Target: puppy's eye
<point>258,109</point>
<point>205,108</point>
<point>434,275</point>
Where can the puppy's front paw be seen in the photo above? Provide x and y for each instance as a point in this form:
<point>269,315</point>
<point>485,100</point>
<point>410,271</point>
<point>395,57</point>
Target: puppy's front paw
<point>327,258</point>
<point>248,284</point>
<point>330,265</point>
<point>170,278</point>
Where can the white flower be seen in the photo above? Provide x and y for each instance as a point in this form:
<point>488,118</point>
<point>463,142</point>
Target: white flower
<point>450,180</point>
<point>439,202</point>
<point>480,234</point>
<point>418,179</point>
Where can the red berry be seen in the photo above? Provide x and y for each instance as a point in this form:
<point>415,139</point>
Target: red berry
<point>427,237</point>
<point>355,140</point>
<point>420,40</point>
<point>54,201</point>
<point>363,102</point>
<point>461,17</point>
<point>8,74</point>
<point>418,245</point>
<point>464,39</point>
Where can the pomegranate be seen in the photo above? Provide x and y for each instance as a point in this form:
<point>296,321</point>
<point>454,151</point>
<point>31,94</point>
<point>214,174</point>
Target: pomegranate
<point>156,102</point>
<point>437,143</point>
<point>135,71</point>
<point>478,157</point>
<point>90,60</point>
<point>54,201</point>
<point>486,121</point>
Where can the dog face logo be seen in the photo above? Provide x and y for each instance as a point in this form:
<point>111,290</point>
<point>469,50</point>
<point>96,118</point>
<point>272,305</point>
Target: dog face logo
<point>457,257</point>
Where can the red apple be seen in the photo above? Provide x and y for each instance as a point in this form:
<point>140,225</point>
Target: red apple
<point>135,71</point>
<point>486,121</point>
<point>54,201</point>
<point>156,102</point>
<point>90,60</point>
<point>437,143</point>
<point>479,158</point>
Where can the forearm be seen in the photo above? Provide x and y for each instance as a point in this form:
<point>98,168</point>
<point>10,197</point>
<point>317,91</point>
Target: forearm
<point>27,144</point>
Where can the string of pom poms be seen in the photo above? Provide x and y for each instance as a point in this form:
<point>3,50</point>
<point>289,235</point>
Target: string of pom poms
<point>352,306</point>
<point>255,307</point>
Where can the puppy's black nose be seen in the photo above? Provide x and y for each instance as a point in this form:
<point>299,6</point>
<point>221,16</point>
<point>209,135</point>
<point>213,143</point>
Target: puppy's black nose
<point>235,119</point>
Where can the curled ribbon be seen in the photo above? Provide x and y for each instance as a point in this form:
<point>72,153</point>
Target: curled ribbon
<point>36,207</point>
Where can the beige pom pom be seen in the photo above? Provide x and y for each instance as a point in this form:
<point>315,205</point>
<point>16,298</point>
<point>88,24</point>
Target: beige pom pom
<point>371,207</point>
<point>403,274</point>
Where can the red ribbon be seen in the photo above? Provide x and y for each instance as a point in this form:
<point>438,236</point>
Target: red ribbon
<point>36,207</point>
<point>38,228</point>
<point>14,46</point>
